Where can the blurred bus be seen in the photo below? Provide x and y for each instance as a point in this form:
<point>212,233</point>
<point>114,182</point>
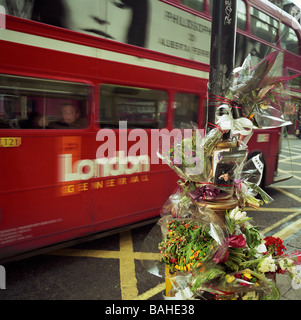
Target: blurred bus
<point>70,69</point>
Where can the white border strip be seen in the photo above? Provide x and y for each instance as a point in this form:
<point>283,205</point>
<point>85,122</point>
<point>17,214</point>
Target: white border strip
<point>68,47</point>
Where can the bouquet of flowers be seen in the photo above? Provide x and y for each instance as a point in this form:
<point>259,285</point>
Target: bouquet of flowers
<point>190,243</point>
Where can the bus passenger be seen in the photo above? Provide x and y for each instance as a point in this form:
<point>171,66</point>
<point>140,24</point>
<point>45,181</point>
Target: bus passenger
<point>41,122</point>
<point>70,118</point>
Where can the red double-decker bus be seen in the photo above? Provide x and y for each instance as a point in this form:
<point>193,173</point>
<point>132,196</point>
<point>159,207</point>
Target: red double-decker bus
<point>72,70</point>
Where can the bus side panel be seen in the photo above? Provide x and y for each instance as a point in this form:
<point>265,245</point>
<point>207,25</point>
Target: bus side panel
<point>35,204</point>
<point>130,192</point>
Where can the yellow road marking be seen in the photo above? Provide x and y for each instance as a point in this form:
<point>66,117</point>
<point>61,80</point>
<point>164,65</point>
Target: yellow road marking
<point>294,176</point>
<point>87,253</point>
<point>290,187</point>
<point>289,230</point>
<point>294,163</point>
<point>278,223</point>
<point>292,171</point>
<point>290,158</point>
<point>288,193</point>
<point>274,210</point>
<point>105,254</point>
<point>152,292</point>
<point>128,280</point>
<point>287,149</point>
<point>290,153</point>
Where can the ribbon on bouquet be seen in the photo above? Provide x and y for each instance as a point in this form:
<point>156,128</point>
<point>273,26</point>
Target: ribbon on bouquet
<point>234,241</point>
<point>243,126</point>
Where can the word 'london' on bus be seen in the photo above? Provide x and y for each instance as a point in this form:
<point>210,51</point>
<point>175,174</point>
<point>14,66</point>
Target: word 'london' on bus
<point>68,73</point>
<point>110,162</point>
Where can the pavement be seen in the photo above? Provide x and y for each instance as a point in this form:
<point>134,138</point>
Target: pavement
<point>284,282</point>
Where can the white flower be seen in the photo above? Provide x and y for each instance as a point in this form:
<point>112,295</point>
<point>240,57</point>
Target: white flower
<point>261,248</point>
<point>267,265</point>
<point>237,214</point>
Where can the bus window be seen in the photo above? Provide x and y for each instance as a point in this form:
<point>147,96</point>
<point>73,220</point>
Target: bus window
<point>186,109</point>
<point>241,15</point>
<point>197,5</point>
<point>288,39</point>
<point>247,45</point>
<point>140,107</point>
<point>31,103</point>
<point>263,26</point>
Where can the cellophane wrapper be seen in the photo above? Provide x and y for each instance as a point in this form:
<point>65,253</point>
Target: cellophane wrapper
<point>248,183</point>
<point>261,94</point>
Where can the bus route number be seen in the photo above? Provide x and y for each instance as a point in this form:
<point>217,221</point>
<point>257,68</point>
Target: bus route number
<point>10,142</point>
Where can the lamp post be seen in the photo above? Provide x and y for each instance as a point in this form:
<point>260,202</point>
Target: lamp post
<point>223,38</point>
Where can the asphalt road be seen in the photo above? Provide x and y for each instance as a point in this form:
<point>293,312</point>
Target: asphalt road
<point>112,268</point>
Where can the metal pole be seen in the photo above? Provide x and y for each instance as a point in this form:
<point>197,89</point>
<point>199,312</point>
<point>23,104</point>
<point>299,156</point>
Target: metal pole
<point>223,38</point>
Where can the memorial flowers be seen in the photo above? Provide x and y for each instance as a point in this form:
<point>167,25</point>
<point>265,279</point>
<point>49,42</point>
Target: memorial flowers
<point>214,256</point>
